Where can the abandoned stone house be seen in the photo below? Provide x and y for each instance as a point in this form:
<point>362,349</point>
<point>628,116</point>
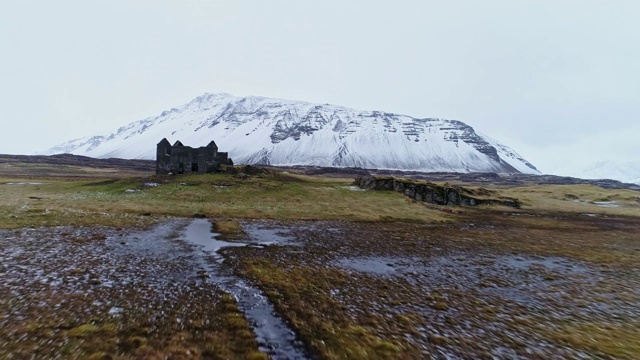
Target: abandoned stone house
<point>180,159</point>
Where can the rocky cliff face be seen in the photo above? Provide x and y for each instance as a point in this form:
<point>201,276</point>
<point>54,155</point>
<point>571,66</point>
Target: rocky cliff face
<point>436,194</point>
<point>256,130</point>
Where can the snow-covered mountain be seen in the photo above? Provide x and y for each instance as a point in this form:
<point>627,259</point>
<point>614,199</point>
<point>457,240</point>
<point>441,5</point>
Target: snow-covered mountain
<point>257,130</point>
<point>628,172</point>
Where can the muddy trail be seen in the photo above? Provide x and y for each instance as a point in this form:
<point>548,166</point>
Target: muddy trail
<point>273,335</point>
<point>102,292</point>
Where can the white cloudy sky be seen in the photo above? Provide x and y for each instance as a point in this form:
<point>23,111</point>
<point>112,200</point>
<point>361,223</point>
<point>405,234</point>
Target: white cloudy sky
<point>559,81</point>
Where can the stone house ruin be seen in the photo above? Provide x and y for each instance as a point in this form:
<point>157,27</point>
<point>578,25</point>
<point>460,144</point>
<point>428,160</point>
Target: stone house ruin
<point>180,159</point>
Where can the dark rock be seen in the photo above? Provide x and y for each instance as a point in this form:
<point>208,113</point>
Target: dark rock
<point>439,194</point>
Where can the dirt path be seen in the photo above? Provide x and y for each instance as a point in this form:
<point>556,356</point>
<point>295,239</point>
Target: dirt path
<point>107,293</point>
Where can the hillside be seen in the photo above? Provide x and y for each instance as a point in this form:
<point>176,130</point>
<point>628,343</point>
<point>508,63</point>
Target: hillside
<point>257,130</point>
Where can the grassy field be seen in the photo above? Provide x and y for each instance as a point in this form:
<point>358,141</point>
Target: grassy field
<point>55,201</point>
<point>565,283</point>
<point>61,201</point>
<point>454,279</point>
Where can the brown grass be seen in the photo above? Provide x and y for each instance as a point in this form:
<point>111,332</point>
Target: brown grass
<point>373,317</point>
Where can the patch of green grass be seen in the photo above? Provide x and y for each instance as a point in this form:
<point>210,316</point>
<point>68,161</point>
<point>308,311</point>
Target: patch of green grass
<point>619,341</point>
<point>302,296</point>
<point>83,330</point>
<point>550,224</point>
<point>575,198</point>
<point>123,202</point>
<point>229,229</point>
<point>222,332</point>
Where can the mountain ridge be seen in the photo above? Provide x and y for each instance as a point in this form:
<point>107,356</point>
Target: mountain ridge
<point>260,130</point>
<point>628,171</point>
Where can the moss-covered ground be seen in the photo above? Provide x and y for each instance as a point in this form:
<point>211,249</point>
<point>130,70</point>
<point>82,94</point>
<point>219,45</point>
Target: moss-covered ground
<point>271,196</point>
<point>371,274</point>
<point>487,286</point>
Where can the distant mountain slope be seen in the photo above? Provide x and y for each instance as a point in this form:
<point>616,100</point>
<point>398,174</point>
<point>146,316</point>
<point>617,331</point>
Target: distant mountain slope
<point>257,130</point>
<point>68,165</point>
<point>628,172</point>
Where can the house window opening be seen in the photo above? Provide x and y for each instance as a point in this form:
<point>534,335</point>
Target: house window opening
<point>194,167</point>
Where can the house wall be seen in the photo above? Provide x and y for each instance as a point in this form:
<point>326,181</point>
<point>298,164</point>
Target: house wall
<point>163,159</point>
<point>185,159</point>
<point>180,162</point>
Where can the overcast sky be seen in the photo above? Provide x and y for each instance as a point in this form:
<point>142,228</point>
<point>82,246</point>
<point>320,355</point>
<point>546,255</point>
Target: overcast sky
<point>557,80</point>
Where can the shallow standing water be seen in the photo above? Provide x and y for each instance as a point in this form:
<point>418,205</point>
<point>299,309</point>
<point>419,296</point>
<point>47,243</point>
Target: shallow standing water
<point>272,333</point>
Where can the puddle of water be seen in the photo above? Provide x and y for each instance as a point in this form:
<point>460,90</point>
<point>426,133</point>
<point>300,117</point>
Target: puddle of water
<point>527,280</point>
<point>262,235</point>
<point>272,333</point>
<point>551,263</point>
<point>199,232</point>
<point>380,265</point>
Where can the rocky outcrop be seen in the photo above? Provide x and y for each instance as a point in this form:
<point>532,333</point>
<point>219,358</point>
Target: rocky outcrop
<point>434,193</point>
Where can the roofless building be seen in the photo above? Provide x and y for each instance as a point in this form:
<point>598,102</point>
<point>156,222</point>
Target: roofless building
<point>180,159</point>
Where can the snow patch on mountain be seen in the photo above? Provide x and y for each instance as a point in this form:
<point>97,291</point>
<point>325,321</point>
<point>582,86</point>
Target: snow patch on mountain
<point>258,130</point>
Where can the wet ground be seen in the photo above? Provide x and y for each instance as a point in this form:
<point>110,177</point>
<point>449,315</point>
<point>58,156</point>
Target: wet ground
<point>454,291</point>
<point>273,335</point>
<point>336,289</point>
<point>112,293</point>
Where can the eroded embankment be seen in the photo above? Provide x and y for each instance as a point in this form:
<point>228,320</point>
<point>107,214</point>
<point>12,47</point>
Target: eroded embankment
<point>434,193</point>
